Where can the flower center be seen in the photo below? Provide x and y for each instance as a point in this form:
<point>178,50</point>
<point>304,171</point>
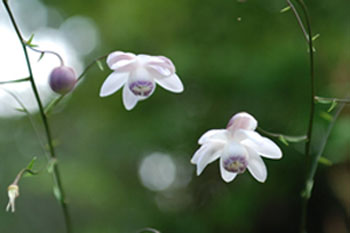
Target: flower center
<point>141,88</point>
<point>237,164</point>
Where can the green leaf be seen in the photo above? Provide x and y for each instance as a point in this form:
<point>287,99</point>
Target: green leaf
<point>334,104</point>
<point>51,165</point>
<point>322,100</point>
<point>31,164</point>
<point>315,37</point>
<point>326,116</point>
<point>30,39</point>
<point>287,8</point>
<point>283,140</point>
<point>308,189</point>
<point>99,65</point>
<point>41,56</point>
<point>57,193</point>
<point>20,110</point>
<point>325,161</point>
<point>295,139</point>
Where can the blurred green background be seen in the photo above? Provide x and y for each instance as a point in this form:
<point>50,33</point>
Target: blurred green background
<point>231,56</point>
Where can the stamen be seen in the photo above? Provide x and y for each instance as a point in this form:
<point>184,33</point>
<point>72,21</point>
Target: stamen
<point>142,88</point>
<point>237,164</point>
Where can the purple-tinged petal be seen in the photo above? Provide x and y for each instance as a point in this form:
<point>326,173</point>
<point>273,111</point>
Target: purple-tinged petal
<point>171,83</point>
<point>242,120</point>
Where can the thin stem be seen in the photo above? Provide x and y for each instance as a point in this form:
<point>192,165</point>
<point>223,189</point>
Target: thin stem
<point>306,193</point>
<point>290,138</point>
<point>47,51</point>
<point>15,81</point>
<point>55,101</point>
<point>55,172</point>
<point>345,101</point>
<point>300,22</point>
<point>311,162</point>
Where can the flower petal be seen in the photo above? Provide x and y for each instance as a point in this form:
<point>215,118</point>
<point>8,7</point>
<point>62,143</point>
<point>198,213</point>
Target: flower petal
<point>120,61</point>
<point>129,99</point>
<point>171,83</point>
<point>256,166</point>
<point>214,135</point>
<point>160,66</point>
<point>262,145</point>
<point>226,175</point>
<point>206,154</point>
<point>242,120</point>
<point>113,83</point>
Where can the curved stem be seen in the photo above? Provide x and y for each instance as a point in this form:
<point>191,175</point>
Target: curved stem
<point>55,101</point>
<point>55,172</point>
<point>289,138</point>
<point>47,51</point>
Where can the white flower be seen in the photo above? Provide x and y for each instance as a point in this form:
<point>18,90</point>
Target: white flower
<point>139,75</point>
<point>238,147</point>
<point>13,193</point>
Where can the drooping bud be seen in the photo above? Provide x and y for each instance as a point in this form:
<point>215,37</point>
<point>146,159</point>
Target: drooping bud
<point>62,79</point>
<point>13,193</point>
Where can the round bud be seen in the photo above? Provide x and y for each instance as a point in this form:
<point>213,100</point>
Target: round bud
<point>62,79</point>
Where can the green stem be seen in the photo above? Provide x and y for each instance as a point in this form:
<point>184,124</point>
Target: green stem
<point>55,172</point>
<point>311,162</point>
<point>15,81</point>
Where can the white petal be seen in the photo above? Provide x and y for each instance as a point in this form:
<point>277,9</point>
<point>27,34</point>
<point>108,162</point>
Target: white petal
<point>161,66</point>
<point>214,135</point>
<point>171,83</point>
<point>113,83</point>
<point>119,60</point>
<point>242,120</point>
<point>206,154</point>
<point>256,166</point>
<point>262,145</point>
<point>226,175</point>
<point>129,99</point>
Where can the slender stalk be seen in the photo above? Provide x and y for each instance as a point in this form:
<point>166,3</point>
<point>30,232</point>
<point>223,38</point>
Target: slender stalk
<point>299,138</point>
<point>55,170</point>
<point>46,51</point>
<point>15,81</point>
<point>312,162</point>
<point>300,22</point>
<point>306,194</point>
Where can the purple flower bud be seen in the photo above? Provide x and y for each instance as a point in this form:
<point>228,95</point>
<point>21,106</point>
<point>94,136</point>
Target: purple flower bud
<point>62,79</point>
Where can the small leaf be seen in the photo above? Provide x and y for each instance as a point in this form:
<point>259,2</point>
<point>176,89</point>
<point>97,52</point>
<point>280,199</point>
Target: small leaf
<point>326,116</point>
<point>315,37</point>
<point>334,104</point>
<point>30,39</point>
<point>283,140</point>
<point>31,164</point>
<point>51,165</point>
<point>325,161</point>
<point>295,139</point>
<point>41,56</point>
<point>20,110</point>
<point>99,64</point>
<point>287,8</point>
<point>322,100</point>
<point>308,189</point>
<point>57,193</point>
